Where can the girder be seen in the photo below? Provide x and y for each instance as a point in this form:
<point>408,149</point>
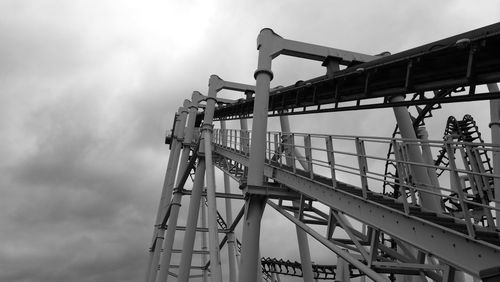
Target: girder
<point>427,231</point>
<point>465,60</point>
<point>306,178</point>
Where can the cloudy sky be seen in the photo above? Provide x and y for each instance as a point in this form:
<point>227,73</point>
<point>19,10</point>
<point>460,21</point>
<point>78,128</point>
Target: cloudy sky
<point>88,89</point>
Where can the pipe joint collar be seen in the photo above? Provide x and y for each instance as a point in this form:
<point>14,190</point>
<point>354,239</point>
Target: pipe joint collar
<point>260,71</point>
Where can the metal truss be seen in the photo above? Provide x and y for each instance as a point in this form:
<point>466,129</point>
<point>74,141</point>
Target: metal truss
<point>438,222</point>
<point>440,235</point>
<point>464,60</point>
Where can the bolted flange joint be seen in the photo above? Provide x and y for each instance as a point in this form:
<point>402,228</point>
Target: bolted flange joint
<point>259,71</point>
<point>207,127</point>
<point>494,123</point>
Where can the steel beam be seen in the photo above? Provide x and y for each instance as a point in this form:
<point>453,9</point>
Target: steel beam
<point>189,235</point>
<point>495,139</point>
<point>435,66</point>
<point>231,238</point>
<point>305,255</point>
<point>446,244</point>
<point>166,194</point>
<point>356,263</point>
<point>185,134</point>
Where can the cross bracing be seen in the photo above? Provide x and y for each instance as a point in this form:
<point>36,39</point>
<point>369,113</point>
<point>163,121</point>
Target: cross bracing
<point>394,208</point>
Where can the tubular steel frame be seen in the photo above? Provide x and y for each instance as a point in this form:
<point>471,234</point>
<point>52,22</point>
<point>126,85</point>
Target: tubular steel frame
<point>331,187</point>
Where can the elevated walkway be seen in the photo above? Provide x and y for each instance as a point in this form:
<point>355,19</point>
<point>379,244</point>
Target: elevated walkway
<point>443,236</point>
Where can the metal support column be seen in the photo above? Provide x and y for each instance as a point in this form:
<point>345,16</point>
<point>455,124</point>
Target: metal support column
<point>255,204</point>
<point>495,139</point>
<point>190,233</point>
<point>427,156</point>
<point>184,132</point>
<point>194,203</point>
<point>305,255</point>
<point>428,201</point>
<point>204,247</point>
<point>231,238</point>
<point>169,237</point>
<point>254,208</point>
<point>213,235</point>
<point>166,195</point>
<point>421,177</point>
<point>343,274</point>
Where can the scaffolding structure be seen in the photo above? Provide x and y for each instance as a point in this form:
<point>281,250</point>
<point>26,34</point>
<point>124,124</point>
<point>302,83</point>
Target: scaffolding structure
<point>399,208</point>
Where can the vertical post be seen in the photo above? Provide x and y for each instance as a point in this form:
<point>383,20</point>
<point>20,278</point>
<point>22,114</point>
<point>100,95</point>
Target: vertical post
<point>255,204</point>
<point>231,239</point>
<point>176,199</point>
<point>363,165</point>
<point>156,252</point>
<point>343,274</point>
<point>331,159</point>
<point>308,153</point>
<point>423,135</point>
<point>420,176</point>
<point>204,247</point>
<point>150,261</point>
<point>166,194</point>
<point>169,238</point>
<point>401,175</point>
<point>213,235</point>
<point>428,201</point>
<point>190,233</point>
<point>495,139</point>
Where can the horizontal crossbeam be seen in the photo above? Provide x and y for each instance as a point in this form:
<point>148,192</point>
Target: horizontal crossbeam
<point>464,60</point>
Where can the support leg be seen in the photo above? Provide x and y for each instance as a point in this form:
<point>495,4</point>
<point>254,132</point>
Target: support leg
<point>428,201</point>
<point>231,239</point>
<point>169,238</point>
<point>190,233</point>
<point>251,237</point>
<point>495,139</point>
<point>204,246</point>
<point>305,255</point>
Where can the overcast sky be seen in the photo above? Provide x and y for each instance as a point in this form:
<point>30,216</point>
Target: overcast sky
<point>88,89</point>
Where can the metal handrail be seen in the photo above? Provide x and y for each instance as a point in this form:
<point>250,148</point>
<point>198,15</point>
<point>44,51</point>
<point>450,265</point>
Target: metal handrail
<point>315,154</point>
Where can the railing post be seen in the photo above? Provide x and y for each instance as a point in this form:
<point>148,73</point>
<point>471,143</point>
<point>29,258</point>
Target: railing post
<point>277,147</point>
<point>363,165</point>
<point>495,139</point>
<point>331,159</point>
<point>407,169</point>
<point>308,153</point>
<point>401,175</point>
<point>293,152</point>
<point>268,149</point>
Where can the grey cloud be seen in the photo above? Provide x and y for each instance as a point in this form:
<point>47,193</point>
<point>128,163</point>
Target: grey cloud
<point>84,105</point>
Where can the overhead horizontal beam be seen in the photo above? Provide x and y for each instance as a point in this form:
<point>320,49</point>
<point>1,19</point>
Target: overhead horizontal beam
<point>467,59</point>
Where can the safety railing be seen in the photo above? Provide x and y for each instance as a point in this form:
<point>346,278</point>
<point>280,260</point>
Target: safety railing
<point>465,190</point>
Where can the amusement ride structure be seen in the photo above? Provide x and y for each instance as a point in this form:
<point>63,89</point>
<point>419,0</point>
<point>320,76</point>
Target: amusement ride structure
<point>399,208</point>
